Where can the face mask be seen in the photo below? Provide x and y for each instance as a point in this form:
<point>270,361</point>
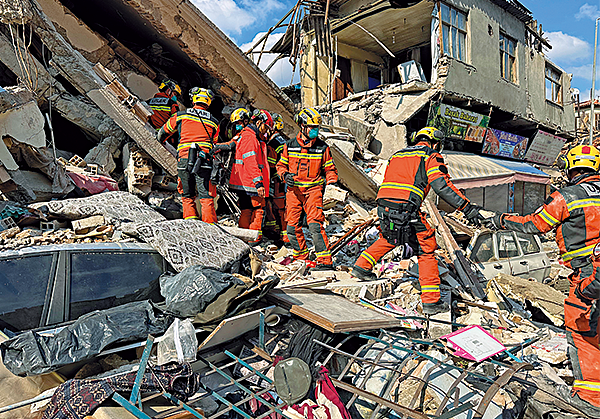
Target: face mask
<point>239,127</point>
<point>313,133</point>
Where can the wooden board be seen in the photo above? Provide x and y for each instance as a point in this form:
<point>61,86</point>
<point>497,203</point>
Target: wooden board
<point>330,311</point>
<point>233,328</point>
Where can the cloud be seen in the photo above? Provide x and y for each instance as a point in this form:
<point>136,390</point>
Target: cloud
<point>281,72</point>
<point>587,11</point>
<point>567,47</point>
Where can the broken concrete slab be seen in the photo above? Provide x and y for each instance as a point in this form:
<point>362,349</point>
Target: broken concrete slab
<point>25,123</point>
<point>358,127</point>
<point>352,177</point>
<point>387,139</point>
<point>17,188</point>
<point>138,170</point>
<point>88,223</point>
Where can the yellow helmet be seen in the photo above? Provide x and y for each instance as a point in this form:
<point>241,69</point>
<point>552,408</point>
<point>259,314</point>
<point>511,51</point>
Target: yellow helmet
<point>278,121</point>
<point>201,95</point>
<point>309,116</point>
<point>170,84</point>
<point>582,157</point>
<point>430,133</point>
<point>239,115</point>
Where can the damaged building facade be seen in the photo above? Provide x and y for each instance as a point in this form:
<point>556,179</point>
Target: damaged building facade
<point>384,69</point>
<point>83,72</point>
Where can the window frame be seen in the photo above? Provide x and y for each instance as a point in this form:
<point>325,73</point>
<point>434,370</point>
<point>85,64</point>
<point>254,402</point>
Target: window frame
<point>504,43</point>
<point>460,31</point>
<point>554,83</point>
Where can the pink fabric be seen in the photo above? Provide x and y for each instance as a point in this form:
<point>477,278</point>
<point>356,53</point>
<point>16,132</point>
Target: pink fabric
<point>326,389</point>
<point>94,184</point>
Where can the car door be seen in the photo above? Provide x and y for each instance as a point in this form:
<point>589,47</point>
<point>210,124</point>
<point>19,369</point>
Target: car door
<point>537,260</point>
<point>510,253</point>
<point>484,253</point>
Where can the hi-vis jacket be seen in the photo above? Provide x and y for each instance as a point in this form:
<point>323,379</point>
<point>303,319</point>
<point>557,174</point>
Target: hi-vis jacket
<point>413,171</point>
<point>310,162</point>
<point>163,107</point>
<point>250,168</point>
<point>195,126</point>
<point>575,211</point>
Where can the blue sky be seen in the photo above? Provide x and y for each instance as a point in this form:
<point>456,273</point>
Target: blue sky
<point>569,25</point>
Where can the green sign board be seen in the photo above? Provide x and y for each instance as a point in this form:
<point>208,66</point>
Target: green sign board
<point>458,124</point>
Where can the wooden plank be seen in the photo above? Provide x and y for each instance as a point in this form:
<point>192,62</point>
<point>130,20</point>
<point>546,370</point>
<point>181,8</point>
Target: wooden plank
<point>233,328</point>
<point>330,311</point>
<point>352,176</point>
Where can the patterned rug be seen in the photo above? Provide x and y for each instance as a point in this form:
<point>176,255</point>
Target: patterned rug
<point>185,243</point>
<point>117,207</point>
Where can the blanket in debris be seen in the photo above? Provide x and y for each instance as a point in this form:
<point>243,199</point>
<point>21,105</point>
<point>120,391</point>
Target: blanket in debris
<point>117,207</point>
<point>77,399</point>
<point>33,353</point>
<point>184,243</point>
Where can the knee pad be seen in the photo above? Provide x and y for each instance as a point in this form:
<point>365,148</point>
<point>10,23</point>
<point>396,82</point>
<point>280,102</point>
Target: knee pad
<point>314,228</point>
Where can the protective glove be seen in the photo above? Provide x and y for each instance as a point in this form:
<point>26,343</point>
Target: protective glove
<point>219,147</point>
<point>495,222</point>
<point>261,191</point>
<point>473,214</point>
<point>289,179</point>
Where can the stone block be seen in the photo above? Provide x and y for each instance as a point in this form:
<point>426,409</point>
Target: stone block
<point>88,223</point>
<point>359,128</point>
<point>387,139</point>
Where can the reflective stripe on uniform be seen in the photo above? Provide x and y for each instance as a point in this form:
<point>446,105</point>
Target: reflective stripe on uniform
<point>284,160</point>
<point>185,145</point>
<point>430,288</point>
<point>257,179</point>
<point>299,252</point>
<point>323,254</point>
<point>581,203</point>
<point>328,163</point>
<point>239,161</point>
<point>368,257</point>
<point>161,108</point>
<point>417,153</point>
<point>194,118</point>
<point>248,154</point>
<point>433,170</point>
<point>550,220</point>
<point>305,156</point>
<point>587,385</point>
<point>402,186</point>
<point>271,160</point>
<point>585,251</point>
<point>311,183</point>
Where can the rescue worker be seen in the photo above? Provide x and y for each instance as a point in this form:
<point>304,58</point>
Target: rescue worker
<point>306,166</point>
<point>196,129</point>
<point>574,211</point>
<point>410,174</point>
<point>250,174</point>
<point>275,211</point>
<point>164,105</point>
<point>239,119</point>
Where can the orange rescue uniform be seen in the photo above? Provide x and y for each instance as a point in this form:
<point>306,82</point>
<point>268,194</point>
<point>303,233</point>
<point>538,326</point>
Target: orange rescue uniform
<point>195,127</point>
<point>409,176</point>
<point>312,165</point>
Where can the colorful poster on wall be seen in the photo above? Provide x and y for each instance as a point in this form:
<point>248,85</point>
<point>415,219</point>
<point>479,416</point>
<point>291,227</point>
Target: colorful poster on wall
<point>544,148</point>
<point>504,144</point>
<point>458,124</point>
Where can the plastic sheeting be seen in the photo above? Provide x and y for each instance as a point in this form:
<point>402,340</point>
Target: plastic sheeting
<point>33,353</point>
<point>191,291</point>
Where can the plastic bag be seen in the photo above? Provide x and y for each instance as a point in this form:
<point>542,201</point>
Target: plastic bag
<point>178,344</point>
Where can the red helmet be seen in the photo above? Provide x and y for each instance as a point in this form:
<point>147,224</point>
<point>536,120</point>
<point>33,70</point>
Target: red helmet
<point>265,116</point>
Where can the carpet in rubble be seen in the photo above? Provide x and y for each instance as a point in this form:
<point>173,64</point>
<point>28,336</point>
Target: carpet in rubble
<point>117,207</point>
<point>185,243</point>
<point>77,399</point>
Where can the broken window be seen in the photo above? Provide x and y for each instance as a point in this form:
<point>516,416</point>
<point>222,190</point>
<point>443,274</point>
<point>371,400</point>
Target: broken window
<point>483,251</point>
<point>507,246</point>
<point>553,85</point>
<point>528,243</point>
<point>23,284</point>
<point>454,32</point>
<point>508,60</point>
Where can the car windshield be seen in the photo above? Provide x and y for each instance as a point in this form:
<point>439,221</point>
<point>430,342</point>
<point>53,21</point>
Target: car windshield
<point>103,280</point>
<point>23,285</point>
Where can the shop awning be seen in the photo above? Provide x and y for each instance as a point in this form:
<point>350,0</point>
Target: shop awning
<point>523,172</point>
<point>473,171</point>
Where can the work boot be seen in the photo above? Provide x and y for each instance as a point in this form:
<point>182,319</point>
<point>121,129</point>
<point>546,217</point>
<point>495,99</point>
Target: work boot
<point>564,392</point>
<point>363,274</point>
<point>440,307</point>
<point>322,267</point>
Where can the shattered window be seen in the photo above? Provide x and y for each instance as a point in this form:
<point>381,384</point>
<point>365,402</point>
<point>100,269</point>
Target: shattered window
<point>23,285</point>
<point>528,243</point>
<point>104,280</point>
<point>507,246</point>
<point>454,32</point>
<point>508,59</point>
<point>483,251</point>
<point>553,85</point>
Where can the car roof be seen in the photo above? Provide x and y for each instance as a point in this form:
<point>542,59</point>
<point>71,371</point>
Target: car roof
<point>103,246</point>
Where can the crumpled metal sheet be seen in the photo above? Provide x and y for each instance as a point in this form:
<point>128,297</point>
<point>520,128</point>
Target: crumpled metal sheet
<point>33,353</point>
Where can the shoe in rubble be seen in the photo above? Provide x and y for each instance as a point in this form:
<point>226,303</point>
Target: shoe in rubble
<point>440,307</point>
<point>363,274</point>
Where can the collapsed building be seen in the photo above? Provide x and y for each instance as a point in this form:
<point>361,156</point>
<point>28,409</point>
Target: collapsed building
<point>475,69</point>
<point>83,70</point>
